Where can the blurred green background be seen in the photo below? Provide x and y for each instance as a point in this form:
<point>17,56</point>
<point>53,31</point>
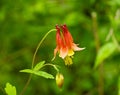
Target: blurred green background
<point>23,23</point>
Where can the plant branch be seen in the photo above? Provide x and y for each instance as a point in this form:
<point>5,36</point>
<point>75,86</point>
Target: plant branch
<point>33,60</point>
<point>97,43</point>
<point>54,66</point>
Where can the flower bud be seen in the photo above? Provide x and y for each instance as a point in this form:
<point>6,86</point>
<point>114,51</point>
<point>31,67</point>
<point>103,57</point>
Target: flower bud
<point>59,80</point>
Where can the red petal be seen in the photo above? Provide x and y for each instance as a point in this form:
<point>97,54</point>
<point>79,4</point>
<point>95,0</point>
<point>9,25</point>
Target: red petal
<point>67,36</point>
<point>59,39</point>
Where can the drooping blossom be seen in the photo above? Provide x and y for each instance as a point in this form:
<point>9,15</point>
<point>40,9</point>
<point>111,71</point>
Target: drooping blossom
<point>65,45</point>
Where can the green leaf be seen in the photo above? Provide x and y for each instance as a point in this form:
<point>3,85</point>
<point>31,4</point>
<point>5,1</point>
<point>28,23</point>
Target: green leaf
<point>39,65</point>
<point>10,90</point>
<point>44,74</point>
<point>38,73</point>
<point>104,52</point>
<point>27,71</point>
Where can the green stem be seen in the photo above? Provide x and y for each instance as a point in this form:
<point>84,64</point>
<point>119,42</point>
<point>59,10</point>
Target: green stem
<point>116,42</point>
<point>54,66</point>
<point>97,43</point>
<point>2,90</point>
<point>112,35</point>
<point>118,79</point>
<point>33,60</point>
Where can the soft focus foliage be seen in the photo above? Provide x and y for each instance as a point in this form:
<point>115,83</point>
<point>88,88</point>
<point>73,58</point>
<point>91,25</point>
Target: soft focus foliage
<point>10,90</point>
<point>23,23</point>
<point>104,52</point>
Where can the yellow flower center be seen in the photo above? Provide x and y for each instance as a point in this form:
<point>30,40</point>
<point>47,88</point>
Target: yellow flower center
<point>70,52</point>
<point>68,60</point>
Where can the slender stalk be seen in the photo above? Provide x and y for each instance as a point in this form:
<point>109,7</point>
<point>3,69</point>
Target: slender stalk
<point>118,79</point>
<point>40,45</point>
<point>112,35</point>
<point>54,66</point>
<point>97,42</point>
<point>115,41</point>
<point>26,85</point>
<point>117,17</point>
<point>2,90</point>
<point>33,60</point>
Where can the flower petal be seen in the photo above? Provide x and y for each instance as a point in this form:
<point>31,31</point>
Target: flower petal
<point>67,36</point>
<point>76,48</point>
<point>58,39</point>
<point>63,52</point>
<point>55,52</point>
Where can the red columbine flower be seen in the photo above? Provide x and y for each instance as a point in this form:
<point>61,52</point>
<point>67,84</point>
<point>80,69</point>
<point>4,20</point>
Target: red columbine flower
<point>65,45</point>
